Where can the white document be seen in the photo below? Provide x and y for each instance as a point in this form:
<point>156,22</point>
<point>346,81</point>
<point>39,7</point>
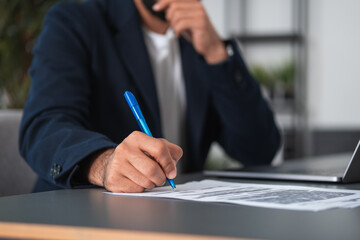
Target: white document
<point>258,195</point>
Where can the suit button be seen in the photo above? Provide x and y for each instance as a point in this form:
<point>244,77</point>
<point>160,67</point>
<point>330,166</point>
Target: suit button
<point>240,80</point>
<point>55,170</point>
<point>238,77</point>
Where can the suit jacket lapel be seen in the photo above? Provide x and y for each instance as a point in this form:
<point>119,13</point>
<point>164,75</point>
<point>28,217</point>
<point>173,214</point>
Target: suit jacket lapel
<point>197,99</point>
<point>132,49</point>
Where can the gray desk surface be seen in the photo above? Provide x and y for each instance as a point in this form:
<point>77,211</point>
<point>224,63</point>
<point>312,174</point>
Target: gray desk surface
<point>92,208</point>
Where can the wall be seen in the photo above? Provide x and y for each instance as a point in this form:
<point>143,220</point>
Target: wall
<point>216,10</point>
<point>333,50</point>
<point>333,64</point>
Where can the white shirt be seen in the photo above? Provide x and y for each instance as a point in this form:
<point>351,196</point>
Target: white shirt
<point>164,52</point>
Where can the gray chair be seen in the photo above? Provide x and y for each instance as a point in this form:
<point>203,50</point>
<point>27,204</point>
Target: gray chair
<point>16,177</point>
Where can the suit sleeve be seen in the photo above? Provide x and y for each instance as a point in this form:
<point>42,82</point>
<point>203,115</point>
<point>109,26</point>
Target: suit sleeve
<point>55,133</point>
<point>245,123</point>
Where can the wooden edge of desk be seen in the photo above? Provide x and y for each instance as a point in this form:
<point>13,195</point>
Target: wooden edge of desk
<point>56,232</point>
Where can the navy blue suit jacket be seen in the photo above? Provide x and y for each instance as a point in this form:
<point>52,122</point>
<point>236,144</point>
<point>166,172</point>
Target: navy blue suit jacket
<point>88,55</point>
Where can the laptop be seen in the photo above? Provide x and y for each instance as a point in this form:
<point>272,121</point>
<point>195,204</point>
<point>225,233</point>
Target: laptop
<point>335,168</point>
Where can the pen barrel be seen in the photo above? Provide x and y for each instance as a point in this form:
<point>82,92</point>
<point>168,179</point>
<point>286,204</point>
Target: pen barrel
<point>143,126</point>
<point>135,108</point>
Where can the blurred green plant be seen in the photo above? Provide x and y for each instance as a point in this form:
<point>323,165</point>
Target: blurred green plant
<point>20,24</point>
<point>269,77</point>
<point>286,74</point>
<point>263,75</point>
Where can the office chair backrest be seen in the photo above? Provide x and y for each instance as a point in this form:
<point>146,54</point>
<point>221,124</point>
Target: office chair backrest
<point>16,177</point>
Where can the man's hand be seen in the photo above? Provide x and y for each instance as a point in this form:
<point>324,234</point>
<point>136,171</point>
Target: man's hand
<point>189,18</point>
<point>139,162</point>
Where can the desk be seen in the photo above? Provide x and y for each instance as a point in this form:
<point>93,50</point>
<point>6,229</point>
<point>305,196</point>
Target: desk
<point>167,219</point>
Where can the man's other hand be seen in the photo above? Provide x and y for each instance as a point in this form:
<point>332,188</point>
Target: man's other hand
<point>189,19</point>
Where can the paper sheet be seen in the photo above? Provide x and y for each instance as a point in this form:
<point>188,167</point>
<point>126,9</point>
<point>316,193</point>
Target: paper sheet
<point>259,195</point>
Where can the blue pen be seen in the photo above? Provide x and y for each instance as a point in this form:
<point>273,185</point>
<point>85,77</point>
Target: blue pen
<point>135,108</point>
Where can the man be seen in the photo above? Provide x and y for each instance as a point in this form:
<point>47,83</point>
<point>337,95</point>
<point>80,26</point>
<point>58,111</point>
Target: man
<point>193,89</point>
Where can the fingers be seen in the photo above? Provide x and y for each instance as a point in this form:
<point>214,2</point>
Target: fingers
<point>175,15</point>
<point>140,179</point>
<point>159,151</point>
<point>123,185</point>
<point>116,180</point>
<point>189,19</point>
<point>148,168</point>
<point>122,176</point>
<point>178,11</point>
<point>184,10</point>
<point>141,162</point>
<point>161,5</point>
<point>164,153</point>
<point>175,151</point>
<point>184,24</point>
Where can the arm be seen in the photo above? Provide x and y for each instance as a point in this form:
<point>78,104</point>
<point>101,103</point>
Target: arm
<point>245,125</point>
<point>55,132</point>
<point>57,137</point>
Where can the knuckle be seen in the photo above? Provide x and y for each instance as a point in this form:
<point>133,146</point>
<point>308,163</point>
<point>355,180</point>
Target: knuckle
<point>110,185</point>
<point>110,188</point>
<point>174,17</point>
<point>160,148</point>
<point>179,153</point>
<point>120,146</point>
<point>168,15</point>
<point>174,6</point>
<point>160,180</point>
<point>135,135</point>
<point>201,12</point>
<point>149,185</point>
<point>110,179</point>
<point>124,145</point>
<point>202,23</point>
<point>152,170</point>
<point>122,150</point>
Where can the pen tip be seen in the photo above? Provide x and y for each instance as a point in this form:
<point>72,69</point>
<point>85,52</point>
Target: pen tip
<point>172,184</point>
